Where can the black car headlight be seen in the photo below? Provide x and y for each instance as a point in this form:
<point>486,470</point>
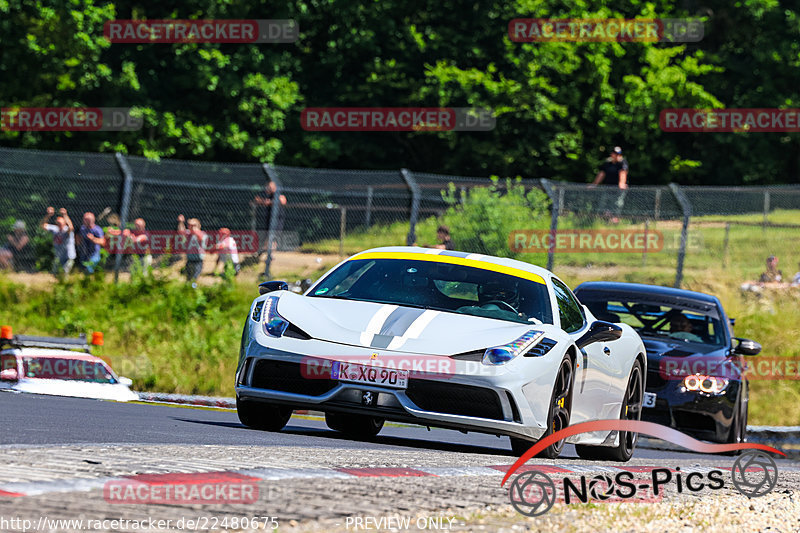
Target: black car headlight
<point>707,384</point>
<point>274,324</point>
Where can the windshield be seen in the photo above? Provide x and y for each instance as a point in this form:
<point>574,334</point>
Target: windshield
<point>440,286</point>
<point>69,369</point>
<point>651,318</point>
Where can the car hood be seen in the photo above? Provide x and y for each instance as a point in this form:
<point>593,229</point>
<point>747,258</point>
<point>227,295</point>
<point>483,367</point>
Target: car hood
<point>685,358</point>
<point>397,328</point>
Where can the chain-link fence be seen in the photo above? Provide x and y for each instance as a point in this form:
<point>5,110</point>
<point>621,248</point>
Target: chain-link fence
<point>702,228</point>
<point>340,211</point>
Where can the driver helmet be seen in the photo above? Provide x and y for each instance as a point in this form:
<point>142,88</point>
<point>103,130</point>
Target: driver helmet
<point>494,290</point>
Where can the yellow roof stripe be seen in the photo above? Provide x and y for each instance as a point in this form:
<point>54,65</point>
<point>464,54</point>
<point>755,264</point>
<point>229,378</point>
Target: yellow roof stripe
<point>449,259</point>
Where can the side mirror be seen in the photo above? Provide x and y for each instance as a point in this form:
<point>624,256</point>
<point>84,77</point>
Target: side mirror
<point>9,374</point>
<point>272,286</point>
<point>125,381</point>
<point>746,347</point>
<point>599,331</point>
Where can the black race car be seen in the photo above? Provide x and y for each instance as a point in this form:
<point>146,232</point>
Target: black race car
<point>695,380</point>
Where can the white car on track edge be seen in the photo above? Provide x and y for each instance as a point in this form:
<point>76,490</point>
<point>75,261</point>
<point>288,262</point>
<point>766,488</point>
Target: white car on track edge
<point>58,366</point>
<point>440,338</point>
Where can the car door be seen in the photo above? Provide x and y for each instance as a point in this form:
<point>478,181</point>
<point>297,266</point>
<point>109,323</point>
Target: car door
<point>590,389</point>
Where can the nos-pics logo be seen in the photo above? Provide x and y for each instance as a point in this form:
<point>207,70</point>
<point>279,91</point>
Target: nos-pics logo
<point>533,492</point>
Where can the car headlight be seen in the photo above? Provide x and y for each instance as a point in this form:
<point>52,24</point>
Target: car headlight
<point>499,355</point>
<point>707,384</point>
<point>274,324</point>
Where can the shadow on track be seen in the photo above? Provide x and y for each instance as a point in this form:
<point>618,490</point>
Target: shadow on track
<point>406,442</point>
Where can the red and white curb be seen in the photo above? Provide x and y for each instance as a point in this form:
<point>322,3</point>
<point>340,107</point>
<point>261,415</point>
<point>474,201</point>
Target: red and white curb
<point>20,489</point>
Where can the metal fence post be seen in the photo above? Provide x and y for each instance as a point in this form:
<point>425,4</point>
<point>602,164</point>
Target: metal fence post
<point>342,229</point>
<point>554,209</point>
<point>274,214</point>
<point>368,213</point>
<point>725,245</point>
<point>686,206</point>
<point>415,194</point>
<point>125,203</point>
<point>766,209</point>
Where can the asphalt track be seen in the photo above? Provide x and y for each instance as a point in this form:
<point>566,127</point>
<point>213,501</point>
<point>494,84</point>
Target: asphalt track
<point>62,458</point>
<point>36,420</point>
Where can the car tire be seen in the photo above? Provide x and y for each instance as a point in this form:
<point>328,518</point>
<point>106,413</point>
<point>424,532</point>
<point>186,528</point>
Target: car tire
<point>263,416</point>
<point>360,426</point>
<point>631,410</point>
<point>738,432</point>
<point>558,414</point>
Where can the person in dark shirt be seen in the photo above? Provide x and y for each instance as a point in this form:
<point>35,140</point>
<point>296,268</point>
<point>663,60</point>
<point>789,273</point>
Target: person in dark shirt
<point>772,274</point>
<point>91,241</point>
<point>263,203</point>
<point>443,236</point>
<point>17,245</point>
<point>615,168</point>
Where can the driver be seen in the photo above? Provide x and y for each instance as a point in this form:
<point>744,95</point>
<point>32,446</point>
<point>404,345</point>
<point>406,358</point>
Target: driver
<point>681,328</point>
<point>494,291</point>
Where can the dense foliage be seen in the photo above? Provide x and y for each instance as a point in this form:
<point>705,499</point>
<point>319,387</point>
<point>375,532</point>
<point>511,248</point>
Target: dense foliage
<point>559,106</point>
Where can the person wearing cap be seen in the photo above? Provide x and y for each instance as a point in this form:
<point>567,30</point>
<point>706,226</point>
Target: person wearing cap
<point>772,274</point>
<point>17,242</point>
<point>614,168</point>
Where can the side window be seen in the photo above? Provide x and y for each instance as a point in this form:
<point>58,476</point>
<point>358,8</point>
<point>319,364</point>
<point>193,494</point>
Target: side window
<point>569,310</point>
<point>8,361</point>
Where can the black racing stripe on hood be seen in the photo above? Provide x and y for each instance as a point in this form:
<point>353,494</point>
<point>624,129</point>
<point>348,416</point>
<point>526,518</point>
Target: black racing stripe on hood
<point>398,322</point>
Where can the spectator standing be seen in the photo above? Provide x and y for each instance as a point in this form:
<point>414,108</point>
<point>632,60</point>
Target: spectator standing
<point>91,240</point>
<point>443,236</point>
<point>227,250</point>
<point>63,239</point>
<point>18,244</point>
<point>264,203</point>
<point>141,237</point>
<point>195,252</point>
<point>772,274</point>
<point>615,168</point>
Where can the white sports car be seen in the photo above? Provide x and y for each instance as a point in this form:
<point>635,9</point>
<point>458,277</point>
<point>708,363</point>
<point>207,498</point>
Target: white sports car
<point>440,338</point>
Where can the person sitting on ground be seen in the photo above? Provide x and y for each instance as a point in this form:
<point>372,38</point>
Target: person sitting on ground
<point>796,278</point>
<point>63,239</point>
<point>772,274</point>
<point>227,250</point>
<point>680,327</point>
<point>17,242</point>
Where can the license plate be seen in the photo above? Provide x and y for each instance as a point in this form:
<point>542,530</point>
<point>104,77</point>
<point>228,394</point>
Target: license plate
<point>649,400</point>
<point>373,375</point>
